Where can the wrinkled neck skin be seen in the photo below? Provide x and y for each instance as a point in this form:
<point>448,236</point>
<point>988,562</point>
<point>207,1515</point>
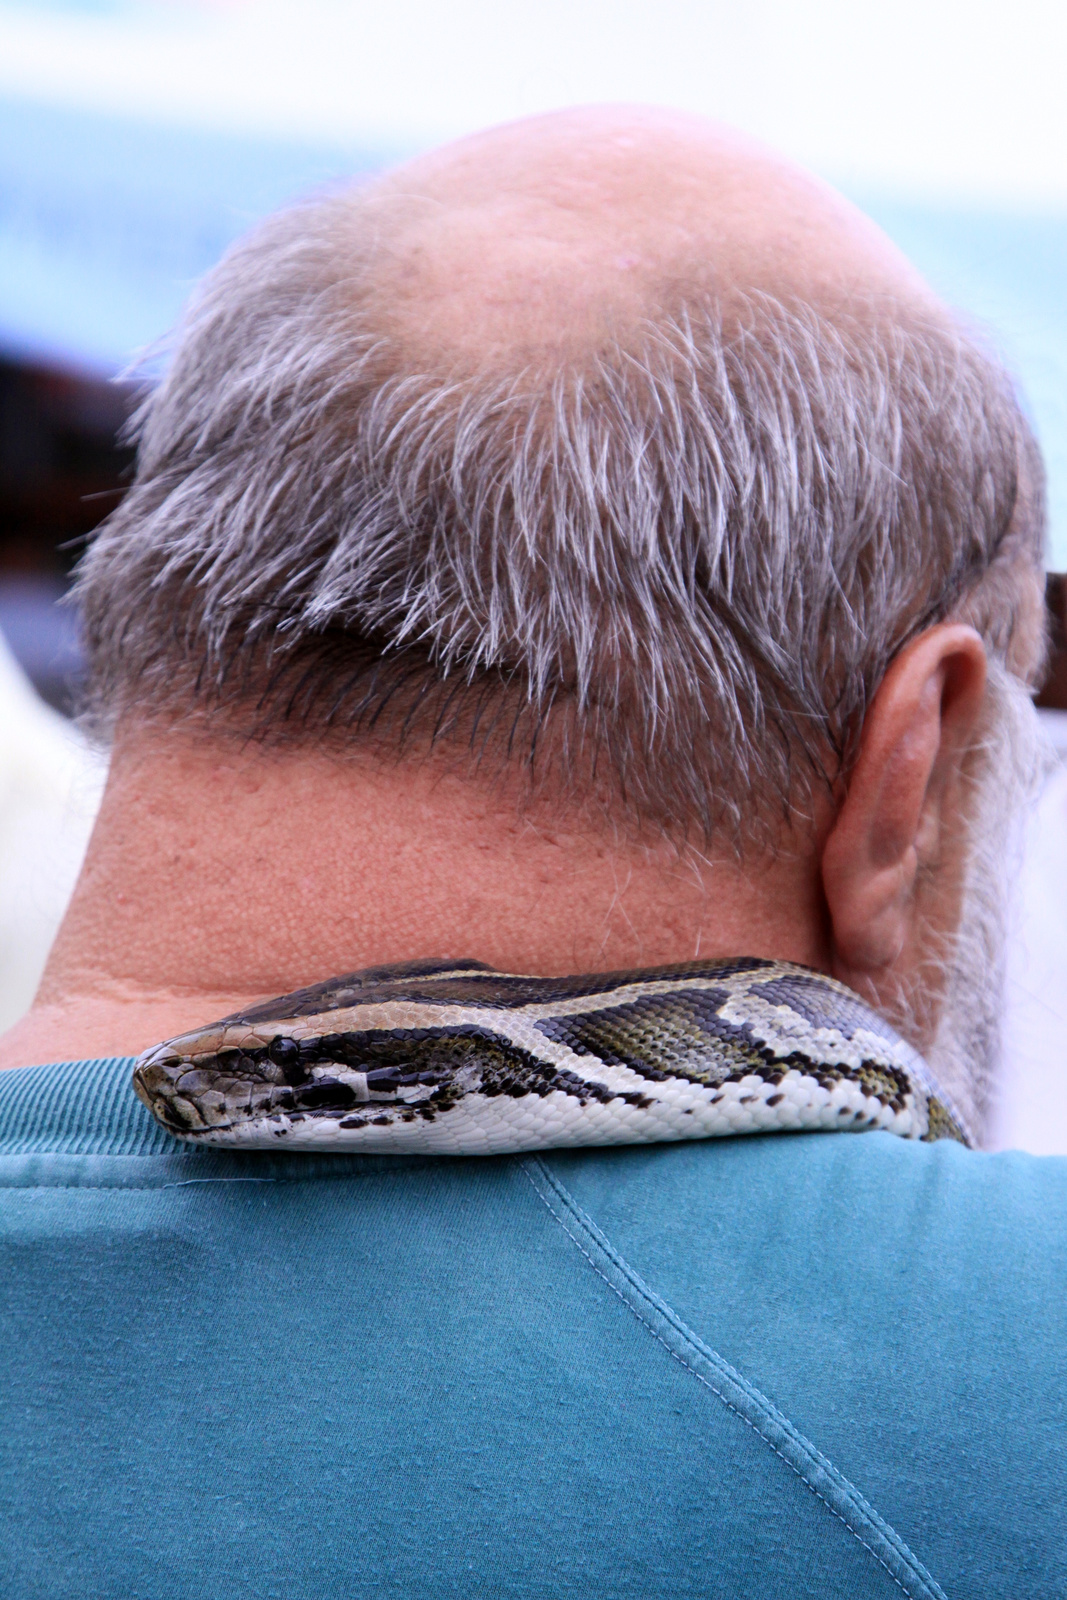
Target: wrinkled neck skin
<point>220,873</point>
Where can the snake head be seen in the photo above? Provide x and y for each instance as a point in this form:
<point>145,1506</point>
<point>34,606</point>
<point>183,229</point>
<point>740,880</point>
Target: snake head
<point>202,1081</point>
<point>252,1083</point>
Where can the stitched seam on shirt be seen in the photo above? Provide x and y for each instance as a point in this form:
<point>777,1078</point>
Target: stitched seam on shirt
<point>185,1183</point>
<point>925,1592</point>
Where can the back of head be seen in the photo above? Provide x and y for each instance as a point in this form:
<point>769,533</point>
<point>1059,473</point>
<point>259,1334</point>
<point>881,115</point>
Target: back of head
<point>607,445</point>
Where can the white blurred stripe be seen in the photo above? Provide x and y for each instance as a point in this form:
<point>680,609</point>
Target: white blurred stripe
<point>960,96</point>
<point>1032,1109</point>
<point>50,787</point>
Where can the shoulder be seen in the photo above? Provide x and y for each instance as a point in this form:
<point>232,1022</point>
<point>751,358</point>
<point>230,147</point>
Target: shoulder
<point>878,1195</point>
<point>901,1303</point>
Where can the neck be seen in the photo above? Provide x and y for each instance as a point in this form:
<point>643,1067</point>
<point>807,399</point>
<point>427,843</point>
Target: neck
<point>219,873</point>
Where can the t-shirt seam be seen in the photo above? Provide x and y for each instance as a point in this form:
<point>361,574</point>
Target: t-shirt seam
<point>929,1588</point>
<point>184,1183</point>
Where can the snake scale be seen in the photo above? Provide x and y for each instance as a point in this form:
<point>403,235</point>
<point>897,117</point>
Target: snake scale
<point>456,1058</point>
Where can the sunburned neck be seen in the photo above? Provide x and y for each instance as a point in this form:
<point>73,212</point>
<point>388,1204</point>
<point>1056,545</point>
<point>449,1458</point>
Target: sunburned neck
<point>219,873</point>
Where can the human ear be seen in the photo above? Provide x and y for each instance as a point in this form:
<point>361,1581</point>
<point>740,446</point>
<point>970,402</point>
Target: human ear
<point>894,857</point>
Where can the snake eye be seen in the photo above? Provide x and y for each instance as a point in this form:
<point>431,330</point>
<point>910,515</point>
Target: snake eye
<point>282,1051</point>
<point>285,1053</point>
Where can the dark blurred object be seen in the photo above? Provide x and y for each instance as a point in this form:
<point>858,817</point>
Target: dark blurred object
<point>42,635</point>
<point>62,470</point>
<point>1053,696</point>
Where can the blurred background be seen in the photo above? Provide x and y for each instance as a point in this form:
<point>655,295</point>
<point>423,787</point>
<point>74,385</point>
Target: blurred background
<point>139,137</point>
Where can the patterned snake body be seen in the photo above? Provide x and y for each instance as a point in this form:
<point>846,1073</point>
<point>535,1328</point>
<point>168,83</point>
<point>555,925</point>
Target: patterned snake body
<point>455,1058</point>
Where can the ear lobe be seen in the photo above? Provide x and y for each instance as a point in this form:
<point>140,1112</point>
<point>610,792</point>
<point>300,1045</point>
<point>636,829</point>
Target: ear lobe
<point>904,790</point>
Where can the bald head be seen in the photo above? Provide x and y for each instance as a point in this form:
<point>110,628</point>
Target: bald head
<point>561,233</point>
<point>685,545</point>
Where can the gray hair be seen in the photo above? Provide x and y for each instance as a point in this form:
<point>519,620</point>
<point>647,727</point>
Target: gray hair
<point>682,564</point>
<point>966,967</point>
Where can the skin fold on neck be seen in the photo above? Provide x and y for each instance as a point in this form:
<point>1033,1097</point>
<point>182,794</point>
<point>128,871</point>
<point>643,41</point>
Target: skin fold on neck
<point>220,872</point>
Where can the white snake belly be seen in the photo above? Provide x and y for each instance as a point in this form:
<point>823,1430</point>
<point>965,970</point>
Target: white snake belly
<point>459,1059</point>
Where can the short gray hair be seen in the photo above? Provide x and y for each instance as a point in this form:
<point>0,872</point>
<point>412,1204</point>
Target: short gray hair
<point>683,563</point>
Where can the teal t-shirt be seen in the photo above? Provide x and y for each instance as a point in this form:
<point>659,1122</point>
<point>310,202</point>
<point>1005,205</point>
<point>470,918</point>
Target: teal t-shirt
<point>826,1365</point>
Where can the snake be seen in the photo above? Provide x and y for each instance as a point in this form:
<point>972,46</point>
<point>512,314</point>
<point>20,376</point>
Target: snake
<point>456,1058</point>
